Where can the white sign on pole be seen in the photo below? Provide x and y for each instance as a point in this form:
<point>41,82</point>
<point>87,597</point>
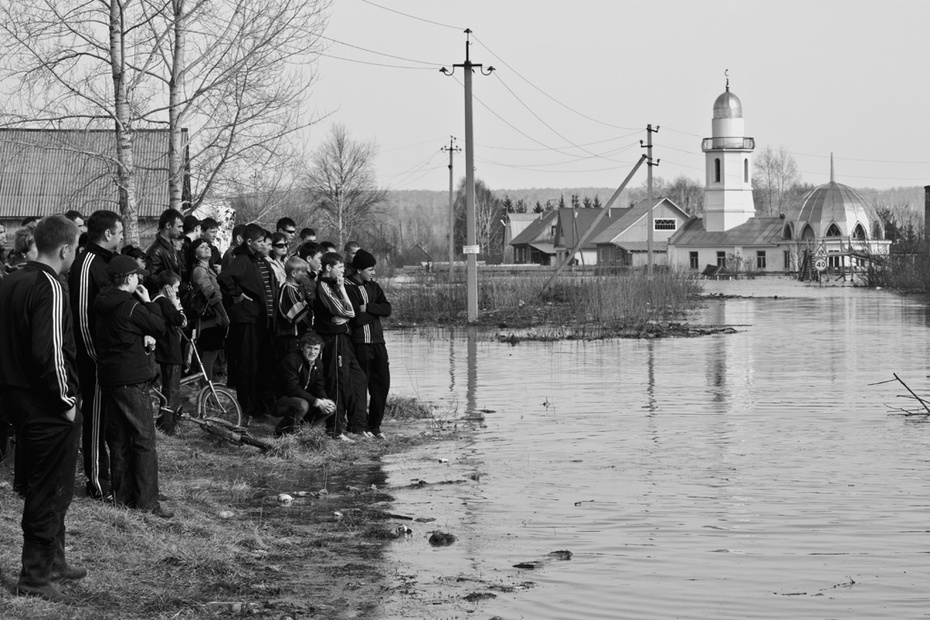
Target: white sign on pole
<point>471,249</point>
<point>820,263</point>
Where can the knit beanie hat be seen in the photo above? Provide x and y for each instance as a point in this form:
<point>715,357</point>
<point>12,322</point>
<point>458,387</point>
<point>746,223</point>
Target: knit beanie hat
<point>363,260</point>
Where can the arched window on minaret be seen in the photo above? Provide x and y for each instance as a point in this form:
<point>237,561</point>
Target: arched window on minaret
<point>834,231</point>
<point>787,232</point>
<point>859,232</point>
<point>746,170</point>
<point>717,170</point>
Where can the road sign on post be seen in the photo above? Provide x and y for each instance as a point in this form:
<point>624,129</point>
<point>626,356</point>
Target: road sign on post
<point>820,263</point>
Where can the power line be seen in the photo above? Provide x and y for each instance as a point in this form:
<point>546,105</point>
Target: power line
<point>370,51</point>
<point>533,169</point>
<point>569,108</point>
<point>511,148</point>
<point>375,64</point>
<point>421,19</point>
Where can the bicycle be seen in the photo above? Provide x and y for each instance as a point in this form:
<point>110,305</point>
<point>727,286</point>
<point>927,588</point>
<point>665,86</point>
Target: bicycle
<point>214,400</point>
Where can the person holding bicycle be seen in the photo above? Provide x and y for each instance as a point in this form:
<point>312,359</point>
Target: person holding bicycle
<point>299,389</point>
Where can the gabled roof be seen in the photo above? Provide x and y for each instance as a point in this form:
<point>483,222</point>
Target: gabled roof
<point>642,246</point>
<point>572,221</point>
<point>538,230</point>
<point>46,171</point>
<point>629,217</point>
<point>755,231</point>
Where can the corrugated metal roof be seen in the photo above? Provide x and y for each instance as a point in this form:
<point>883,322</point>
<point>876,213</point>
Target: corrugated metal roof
<point>832,203</point>
<point>538,228</point>
<point>580,220</point>
<point>755,231</point>
<point>46,171</point>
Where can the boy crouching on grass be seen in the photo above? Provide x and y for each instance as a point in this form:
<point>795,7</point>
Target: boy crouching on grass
<point>370,304</point>
<point>299,390</point>
<point>343,377</point>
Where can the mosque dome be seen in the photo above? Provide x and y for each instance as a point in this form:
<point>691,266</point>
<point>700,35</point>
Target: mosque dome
<point>728,105</point>
<point>834,210</point>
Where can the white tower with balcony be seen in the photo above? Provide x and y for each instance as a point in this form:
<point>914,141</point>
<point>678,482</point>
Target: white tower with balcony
<point>728,156</point>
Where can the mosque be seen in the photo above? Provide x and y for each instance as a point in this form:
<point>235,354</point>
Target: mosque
<point>832,226</point>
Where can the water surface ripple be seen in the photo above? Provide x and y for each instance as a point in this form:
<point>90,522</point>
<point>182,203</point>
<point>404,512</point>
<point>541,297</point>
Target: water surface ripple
<point>751,475</point>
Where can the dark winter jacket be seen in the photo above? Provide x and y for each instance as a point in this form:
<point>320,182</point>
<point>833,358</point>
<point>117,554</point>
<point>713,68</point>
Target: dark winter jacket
<point>38,352</point>
<point>88,276</point>
<point>122,323</point>
<point>331,313</point>
<point>365,327</point>
<point>168,347</point>
<point>243,275</point>
<point>296,378</point>
<point>160,256</point>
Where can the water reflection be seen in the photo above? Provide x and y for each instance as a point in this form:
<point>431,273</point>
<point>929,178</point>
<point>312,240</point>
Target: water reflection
<point>764,466</point>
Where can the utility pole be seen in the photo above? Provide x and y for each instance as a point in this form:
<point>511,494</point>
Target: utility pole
<point>471,249</point>
<point>650,203</point>
<point>452,149</point>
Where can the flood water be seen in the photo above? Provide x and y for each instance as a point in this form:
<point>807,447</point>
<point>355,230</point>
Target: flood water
<point>748,475</point>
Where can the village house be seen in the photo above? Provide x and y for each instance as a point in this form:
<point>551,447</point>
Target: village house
<point>624,241</point>
<point>47,171</point>
<point>535,244</point>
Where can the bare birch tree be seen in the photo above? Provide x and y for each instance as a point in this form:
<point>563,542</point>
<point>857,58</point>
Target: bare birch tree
<point>774,176</point>
<point>341,183</point>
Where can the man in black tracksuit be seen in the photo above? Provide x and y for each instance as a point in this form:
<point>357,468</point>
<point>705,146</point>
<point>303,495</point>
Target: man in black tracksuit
<point>370,304</point>
<point>88,276</point>
<point>39,388</point>
<point>249,293</point>
<point>300,395</point>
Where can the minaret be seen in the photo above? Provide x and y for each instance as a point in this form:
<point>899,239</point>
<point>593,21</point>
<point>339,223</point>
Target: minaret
<point>728,161</point>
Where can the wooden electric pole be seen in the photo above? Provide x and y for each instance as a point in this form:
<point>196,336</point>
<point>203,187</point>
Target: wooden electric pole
<point>452,150</point>
<point>471,249</point>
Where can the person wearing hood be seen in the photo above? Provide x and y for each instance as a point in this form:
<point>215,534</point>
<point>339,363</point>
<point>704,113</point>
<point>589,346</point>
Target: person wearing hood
<point>128,326</point>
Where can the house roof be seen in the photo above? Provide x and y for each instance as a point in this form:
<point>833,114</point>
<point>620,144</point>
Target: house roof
<point>643,246</point>
<point>46,171</point>
<point>543,246</point>
<point>755,231</point>
<point>580,220</point>
<point>537,229</point>
<point>616,226</point>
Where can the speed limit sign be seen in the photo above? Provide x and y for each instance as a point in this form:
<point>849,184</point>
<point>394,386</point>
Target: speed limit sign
<point>820,263</point>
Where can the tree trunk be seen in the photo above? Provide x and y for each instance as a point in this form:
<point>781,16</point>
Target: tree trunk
<point>176,80</point>
<point>125,171</point>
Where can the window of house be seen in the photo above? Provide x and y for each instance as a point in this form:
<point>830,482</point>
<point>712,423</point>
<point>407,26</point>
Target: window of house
<point>787,231</point>
<point>664,224</point>
<point>835,261</point>
<point>760,259</point>
<point>693,260</point>
<point>746,170</point>
<point>721,259</point>
<point>787,259</point>
<point>717,170</point>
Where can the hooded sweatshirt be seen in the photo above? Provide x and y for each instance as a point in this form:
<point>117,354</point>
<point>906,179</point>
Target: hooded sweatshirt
<point>122,323</point>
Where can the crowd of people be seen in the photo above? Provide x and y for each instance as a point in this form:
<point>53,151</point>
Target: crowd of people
<point>89,325</point>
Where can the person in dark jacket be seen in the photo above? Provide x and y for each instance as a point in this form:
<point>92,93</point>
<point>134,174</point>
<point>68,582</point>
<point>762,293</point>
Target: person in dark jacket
<point>162,254</point>
<point>249,292</point>
<point>128,326</point>
<point>168,352</point>
<point>370,304</point>
<point>39,390</point>
<point>88,276</point>
<point>299,388</point>
<point>345,381</point>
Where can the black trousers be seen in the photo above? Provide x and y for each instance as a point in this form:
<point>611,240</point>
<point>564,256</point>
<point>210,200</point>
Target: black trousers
<point>345,384</point>
<point>373,360</point>
<point>93,435</point>
<point>249,349</point>
<point>131,435</point>
<point>48,442</point>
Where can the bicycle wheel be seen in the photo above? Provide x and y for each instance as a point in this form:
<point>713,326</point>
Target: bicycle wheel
<point>223,406</point>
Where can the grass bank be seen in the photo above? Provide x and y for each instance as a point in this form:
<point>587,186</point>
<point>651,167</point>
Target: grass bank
<point>596,305</point>
<point>235,546</point>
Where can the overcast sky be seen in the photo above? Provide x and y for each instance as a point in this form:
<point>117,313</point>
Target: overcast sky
<point>575,84</point>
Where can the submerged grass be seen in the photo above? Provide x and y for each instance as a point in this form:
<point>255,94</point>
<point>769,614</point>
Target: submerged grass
<point>226,541</point>
<point>627,301</point>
